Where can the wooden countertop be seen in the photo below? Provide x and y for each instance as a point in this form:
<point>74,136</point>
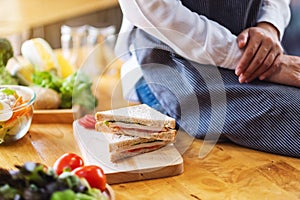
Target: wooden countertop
<point>19,15</point>
<point>228,172</point>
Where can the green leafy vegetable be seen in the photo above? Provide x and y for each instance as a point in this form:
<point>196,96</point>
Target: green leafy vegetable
<point>6,52</point>
<point>34,181</point>
<point>65,195</point>
<point>6,78</point>
<point>47,79</point>
<point>107,123</point>
<point>75,89</point>
<point>8,91</point>
<point>71,195</point>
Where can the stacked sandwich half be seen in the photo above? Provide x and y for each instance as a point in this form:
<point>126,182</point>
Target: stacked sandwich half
<point>135,130</point>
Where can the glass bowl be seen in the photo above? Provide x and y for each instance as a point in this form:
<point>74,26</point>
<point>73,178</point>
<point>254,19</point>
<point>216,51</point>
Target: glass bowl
<point>16,111</point>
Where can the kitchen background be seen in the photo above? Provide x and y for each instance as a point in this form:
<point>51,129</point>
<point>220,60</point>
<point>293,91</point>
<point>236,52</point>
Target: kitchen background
<point>291,39</point>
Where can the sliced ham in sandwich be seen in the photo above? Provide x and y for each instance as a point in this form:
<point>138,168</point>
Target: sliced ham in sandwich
<point>123,146</point>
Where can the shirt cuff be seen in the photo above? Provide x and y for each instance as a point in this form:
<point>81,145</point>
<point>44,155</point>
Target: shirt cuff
<point>233,57</point>
<point>278,17</point>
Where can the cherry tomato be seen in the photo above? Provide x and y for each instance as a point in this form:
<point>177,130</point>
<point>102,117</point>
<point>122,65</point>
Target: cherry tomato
<point>68,161</point>
<point>94,176</point>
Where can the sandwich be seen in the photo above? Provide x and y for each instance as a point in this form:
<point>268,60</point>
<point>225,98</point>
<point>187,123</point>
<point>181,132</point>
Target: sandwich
<point>135,130</point>
<point>124,146</point>
<point>139,120</point>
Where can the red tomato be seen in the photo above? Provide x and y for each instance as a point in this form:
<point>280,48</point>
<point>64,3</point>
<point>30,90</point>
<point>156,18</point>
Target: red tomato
<point>68,161</point>
<point>94,176</point>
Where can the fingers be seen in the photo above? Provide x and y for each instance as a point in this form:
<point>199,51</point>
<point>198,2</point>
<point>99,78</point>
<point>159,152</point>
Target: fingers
<point>259,55</point>
<point>280,61</point>
<point>273,64</point>
<point>242,38</point>
<point>259,64</point>
<point>264,70</point>
<point>248,55</point>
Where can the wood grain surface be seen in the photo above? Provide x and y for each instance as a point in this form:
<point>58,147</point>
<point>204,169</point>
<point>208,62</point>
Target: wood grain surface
<point>228,172</point>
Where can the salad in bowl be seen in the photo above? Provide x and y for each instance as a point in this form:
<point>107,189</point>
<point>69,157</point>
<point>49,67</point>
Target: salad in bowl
<point>16,111</point>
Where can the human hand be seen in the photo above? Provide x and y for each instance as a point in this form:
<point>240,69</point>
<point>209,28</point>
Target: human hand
<point>288,70</point>
<point>262,46</point>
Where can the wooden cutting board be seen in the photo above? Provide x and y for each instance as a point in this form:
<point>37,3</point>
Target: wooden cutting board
<point>61,116</point>
<point>163,162</point>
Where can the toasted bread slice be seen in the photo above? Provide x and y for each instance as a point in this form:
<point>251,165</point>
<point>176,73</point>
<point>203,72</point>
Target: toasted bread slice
<point>139,114</point>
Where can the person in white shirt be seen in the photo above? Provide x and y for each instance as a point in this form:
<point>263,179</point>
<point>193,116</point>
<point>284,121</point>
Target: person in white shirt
<point>192,58</point>
<point>209,42</point>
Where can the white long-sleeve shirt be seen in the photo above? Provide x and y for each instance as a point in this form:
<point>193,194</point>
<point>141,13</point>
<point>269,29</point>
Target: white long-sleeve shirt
<point>194,36</point>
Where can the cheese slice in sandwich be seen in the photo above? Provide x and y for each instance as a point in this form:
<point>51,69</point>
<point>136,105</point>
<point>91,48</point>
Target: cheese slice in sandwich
<point>139,120</point>
<point>123,146</point>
